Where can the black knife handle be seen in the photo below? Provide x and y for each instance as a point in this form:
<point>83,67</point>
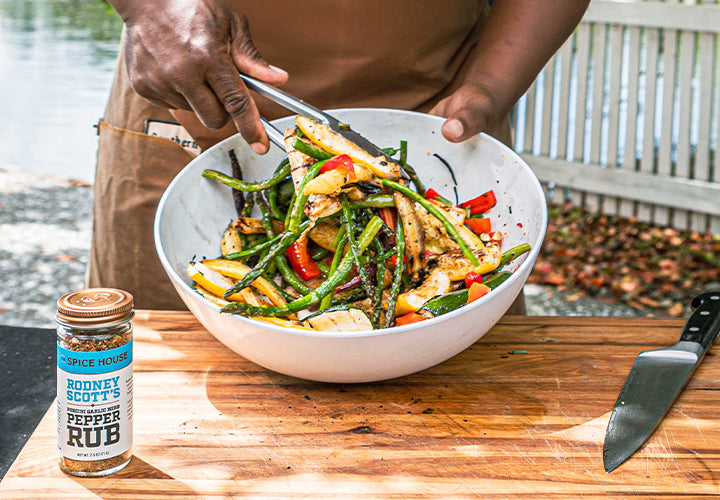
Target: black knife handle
<point>703,325</point>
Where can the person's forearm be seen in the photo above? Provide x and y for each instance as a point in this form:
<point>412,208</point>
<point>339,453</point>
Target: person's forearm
<point>520,37</point>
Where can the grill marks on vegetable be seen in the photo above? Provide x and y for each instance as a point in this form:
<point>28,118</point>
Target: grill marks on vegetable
<point>365,251</point>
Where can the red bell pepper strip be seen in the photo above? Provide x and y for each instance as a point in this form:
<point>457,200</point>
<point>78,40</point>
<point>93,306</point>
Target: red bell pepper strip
<point>482,203</point>
<point>431,194</point>
<point>476,291</point>
<point>471,278</point>
<point>479,226</point>
<point>409,318</point>
<point>301,261</point>
<point>340,161</point>
<point>393,259</point>
<point>389,217</point>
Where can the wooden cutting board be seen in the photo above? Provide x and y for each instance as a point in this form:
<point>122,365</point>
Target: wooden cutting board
<point>522,412</point>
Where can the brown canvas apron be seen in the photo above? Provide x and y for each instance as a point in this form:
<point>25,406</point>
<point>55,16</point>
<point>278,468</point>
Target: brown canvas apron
<point>339,53</point>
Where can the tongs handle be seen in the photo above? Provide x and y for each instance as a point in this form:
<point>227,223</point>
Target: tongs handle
<point>286,100</point>
<point>275,136</point>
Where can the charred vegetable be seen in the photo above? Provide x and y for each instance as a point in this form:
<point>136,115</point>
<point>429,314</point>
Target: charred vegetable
<point>342,241</point>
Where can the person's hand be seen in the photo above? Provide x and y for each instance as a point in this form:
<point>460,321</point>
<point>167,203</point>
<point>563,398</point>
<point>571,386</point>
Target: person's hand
<point>186,54</point>
<point>469,110</point>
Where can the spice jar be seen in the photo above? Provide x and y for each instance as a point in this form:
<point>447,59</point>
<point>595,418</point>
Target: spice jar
<point>94,381</point>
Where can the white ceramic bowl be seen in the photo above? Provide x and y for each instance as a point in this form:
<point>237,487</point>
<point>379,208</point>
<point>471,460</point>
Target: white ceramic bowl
<point>194,211</point>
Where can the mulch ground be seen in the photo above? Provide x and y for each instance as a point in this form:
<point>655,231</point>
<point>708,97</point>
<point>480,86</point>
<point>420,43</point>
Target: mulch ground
<point>654,269</point>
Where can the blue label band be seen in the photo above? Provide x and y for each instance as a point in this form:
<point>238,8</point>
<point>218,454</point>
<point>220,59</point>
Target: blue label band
<point>93,363</point>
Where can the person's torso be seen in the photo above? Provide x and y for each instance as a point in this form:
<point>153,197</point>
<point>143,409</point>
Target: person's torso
<point>350,53</point>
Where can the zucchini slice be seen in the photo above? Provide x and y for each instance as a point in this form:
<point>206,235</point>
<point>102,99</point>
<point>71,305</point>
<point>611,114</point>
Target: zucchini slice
<point>446,303</point>
<point>454,300</point>
<point>340,319</point>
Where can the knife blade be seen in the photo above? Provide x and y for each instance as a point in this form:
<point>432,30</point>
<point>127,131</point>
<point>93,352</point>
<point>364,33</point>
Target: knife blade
<point>655,381</point>
<point>302,108</point>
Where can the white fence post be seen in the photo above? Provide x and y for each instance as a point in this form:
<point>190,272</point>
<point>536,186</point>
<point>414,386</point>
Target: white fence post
<point>657,94</point>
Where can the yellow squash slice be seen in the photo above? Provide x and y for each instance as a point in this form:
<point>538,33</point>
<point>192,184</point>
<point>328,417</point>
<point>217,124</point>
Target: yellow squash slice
<point>438,283</point>
<point>217,284</point>
<point>218,301</point>
<point>238,270</point>
<point>288,323</point>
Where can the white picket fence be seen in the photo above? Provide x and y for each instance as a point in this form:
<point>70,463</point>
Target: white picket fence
<point>625,119</point>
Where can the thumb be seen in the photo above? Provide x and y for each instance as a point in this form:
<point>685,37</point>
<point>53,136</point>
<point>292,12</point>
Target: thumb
<point>465,122</point>
<point>247,58</point>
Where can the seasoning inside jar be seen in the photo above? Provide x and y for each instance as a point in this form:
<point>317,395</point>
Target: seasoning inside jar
<point>94,382</point>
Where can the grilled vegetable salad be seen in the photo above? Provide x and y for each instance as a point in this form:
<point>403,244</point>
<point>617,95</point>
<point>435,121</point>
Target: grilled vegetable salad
<point>344,244</point>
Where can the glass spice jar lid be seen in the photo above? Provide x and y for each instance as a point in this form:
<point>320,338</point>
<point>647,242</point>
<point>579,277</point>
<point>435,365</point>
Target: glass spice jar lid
<point>92,307</point>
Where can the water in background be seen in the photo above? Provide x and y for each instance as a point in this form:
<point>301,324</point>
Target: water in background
<point>57,59</point>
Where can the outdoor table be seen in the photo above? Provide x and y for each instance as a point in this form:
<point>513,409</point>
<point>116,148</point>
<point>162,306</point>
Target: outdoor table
<point>521,412</point>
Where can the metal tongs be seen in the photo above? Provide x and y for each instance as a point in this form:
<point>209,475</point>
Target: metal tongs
<point>302,108</point>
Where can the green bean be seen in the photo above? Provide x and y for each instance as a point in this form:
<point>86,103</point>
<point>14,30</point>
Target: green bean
<point>347,221</point>
<point>266,215</point>
<point>377,309</point>
<point>409,170</point>
<point>320,253</point>
<point>280,261</point>
<point>247,208</point>
<point>403,153</point>
<point>339,246</point>
<point>399,268</point>
<point>382,257</point>
<point>269,271</point>
<point>255,249</point>
<point>311,150</point>
<point>248,186</point>
<point>295,214</point>
<point>406,280</point>
<point>374,201</point>
<point>513,253</point>
<point>289,275</point>
<point>286,191</point>
<point>286,239</point>
<point>272,196</point>
<point>324,268</point>
<point>293,199</point>
<point>282,166</point>
<point>251,248</point>
<point>438,214</point>
<point>351,297</point>
<point>497,279</point>
<point>317,295</point>
<point>338,236</point>
<point>282,291</point>
<point>379,250</point>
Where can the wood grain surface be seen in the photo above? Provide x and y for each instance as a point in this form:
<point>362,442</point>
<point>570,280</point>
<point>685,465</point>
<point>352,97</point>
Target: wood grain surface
<point>488,423</point>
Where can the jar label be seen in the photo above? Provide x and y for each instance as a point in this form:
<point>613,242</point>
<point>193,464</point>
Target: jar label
<point>94,405</point>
